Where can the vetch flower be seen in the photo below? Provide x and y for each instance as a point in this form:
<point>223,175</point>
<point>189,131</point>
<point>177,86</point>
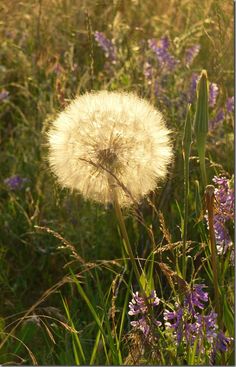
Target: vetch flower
<point>143,307</point>
<point>190,54</point>
<point>165,59</point>
<point>213,93</point>
<point>220,116</point>
<point>230,104</point>
<point>107,45</point>
<point>195,297</point>
<point>224,195</point>
<point>110,140</point>
<point>15,182</point>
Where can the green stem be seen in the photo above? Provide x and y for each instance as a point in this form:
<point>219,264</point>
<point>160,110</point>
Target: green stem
<point>128,248</point>
<point>209,195</point>
<point>186,196</point>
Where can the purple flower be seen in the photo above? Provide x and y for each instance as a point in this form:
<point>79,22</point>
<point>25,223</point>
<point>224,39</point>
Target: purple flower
<point>141,306</point>
<point>165,59</point>
<point>190,54</point>
<point>220,116</point>
<point>230,105</point>
<point>4,94</point>
<point>224,201</point>
<point>213,93</point>
<point>193,87</point>
<point>107,46</point>
<point>187,327</point>
<point>15,182</point>
<point>222,342</point>
<point>177,325</point>
<point>195,297</point>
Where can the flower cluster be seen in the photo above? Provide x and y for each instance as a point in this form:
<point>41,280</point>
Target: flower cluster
<point>190,54</point>
<point>161,49</point>
<point>224,213</point>
<point>143,307</point>
<point>222,113</point>
<point>15,182</point>
<point>188,325</point>
<point>107,46</point>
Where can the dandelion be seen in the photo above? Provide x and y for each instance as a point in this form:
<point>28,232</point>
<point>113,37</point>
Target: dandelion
<point>108,141</point>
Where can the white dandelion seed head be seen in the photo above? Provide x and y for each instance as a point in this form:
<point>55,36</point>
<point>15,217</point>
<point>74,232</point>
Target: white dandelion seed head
<point>106,135</point>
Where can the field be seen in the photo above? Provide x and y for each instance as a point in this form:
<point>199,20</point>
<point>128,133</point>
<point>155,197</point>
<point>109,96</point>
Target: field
<point>93,279</point>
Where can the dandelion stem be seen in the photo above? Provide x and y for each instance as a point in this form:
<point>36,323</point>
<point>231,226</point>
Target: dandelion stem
<point>209,197</point>
<point>124,234</point>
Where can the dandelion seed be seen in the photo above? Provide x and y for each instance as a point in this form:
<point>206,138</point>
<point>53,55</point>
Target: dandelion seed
<point>110,136</point>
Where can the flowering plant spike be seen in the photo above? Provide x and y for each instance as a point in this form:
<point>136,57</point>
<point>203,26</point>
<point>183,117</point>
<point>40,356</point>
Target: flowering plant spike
<point>106,139</point>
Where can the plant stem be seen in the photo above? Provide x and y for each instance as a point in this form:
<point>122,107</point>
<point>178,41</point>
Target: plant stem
<point>209,197</point>
<point>124,234</point>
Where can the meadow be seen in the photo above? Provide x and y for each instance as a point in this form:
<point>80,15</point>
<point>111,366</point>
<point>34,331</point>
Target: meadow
<point>90,283</point>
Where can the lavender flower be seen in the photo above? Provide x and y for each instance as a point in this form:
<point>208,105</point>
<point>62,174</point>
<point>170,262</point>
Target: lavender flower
<point>213,93</point>
<point>194,298</point>
<point>220,116</point>
<point>107,46</point>
<point>177,325</point>
<point>166,60</point>
<point>140,306</point>
<point>15,182</point>
<point>224,196</point>
<point>4,94</point>
<point>190,54</point>
<point>230,105</point>
<point>188,325</point>
<point>193,87</point>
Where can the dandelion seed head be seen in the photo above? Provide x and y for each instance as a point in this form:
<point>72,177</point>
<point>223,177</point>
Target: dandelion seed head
<point>109,134</point>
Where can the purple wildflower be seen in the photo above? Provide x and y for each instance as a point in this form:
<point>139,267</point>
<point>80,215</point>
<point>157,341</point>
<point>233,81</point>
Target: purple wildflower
<point>166,60</point>
<point>220,116</point>
<point>188,325</point>
<point>224,196</point>
<point>190,54</point>
<point>193,87</point>
<point>107,46</point>
<point>4,94</point>
<point>195,297</point>
<point>213,93</point>
<point>177,325</point>
<point>230,105</point>
<point>140,306</point>
<point>15,182</point>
